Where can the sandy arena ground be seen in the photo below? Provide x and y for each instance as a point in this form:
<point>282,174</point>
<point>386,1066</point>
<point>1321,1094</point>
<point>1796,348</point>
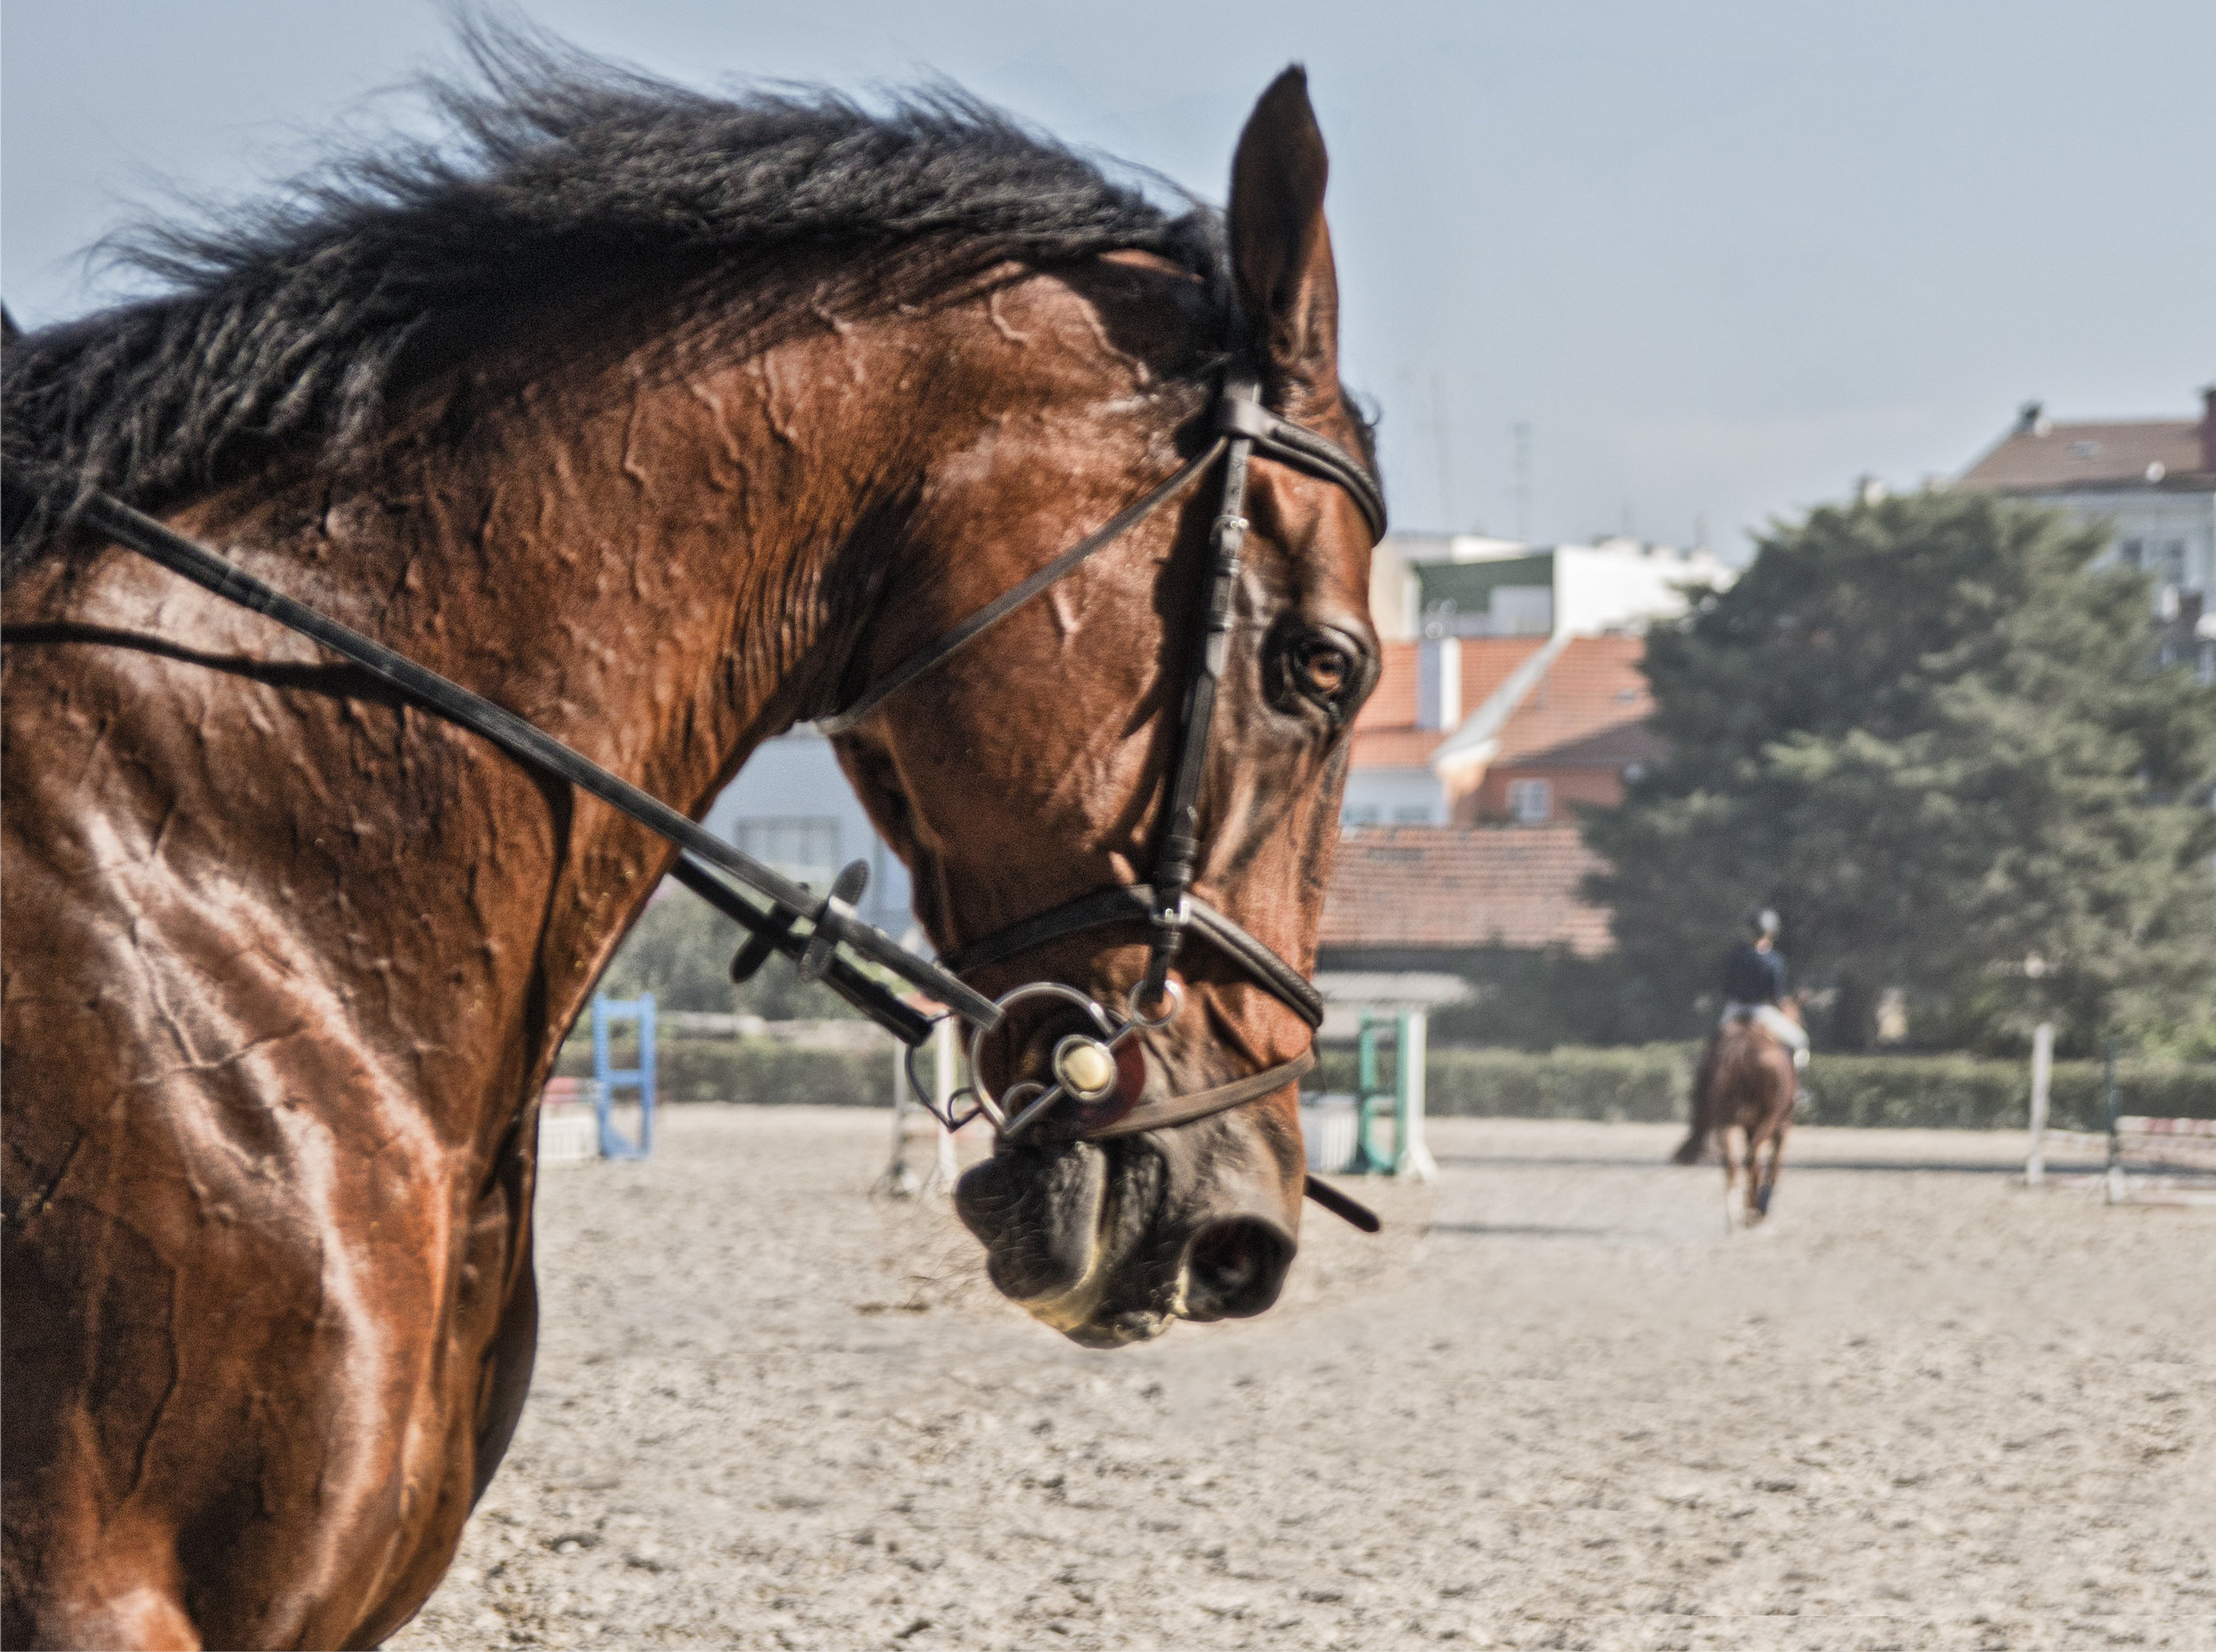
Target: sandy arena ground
<point>1554,1406</point>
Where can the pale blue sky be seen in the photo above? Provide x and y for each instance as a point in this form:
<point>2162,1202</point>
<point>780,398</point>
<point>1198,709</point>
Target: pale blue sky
<point>1724,256</point>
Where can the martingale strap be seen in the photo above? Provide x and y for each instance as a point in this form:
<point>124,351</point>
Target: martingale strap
<point>986,618</point>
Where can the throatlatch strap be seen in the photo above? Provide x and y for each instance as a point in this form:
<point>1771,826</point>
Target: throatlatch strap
<point>986,618</point>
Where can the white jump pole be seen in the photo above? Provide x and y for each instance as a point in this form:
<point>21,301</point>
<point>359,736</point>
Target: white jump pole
<point>898,1181</point>
<point>2042,1076</point>
<point>1411,1154</point>
<point>943,1079</point>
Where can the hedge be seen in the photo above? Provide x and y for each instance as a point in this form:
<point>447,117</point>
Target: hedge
<point>1963,1092</point>
<point>1654,1083</point>
<point>1651,1083</point>
<point>756,1070</point>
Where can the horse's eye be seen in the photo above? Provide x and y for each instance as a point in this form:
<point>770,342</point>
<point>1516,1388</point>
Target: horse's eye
<point>1321,668</point>
<point>1324,669</point>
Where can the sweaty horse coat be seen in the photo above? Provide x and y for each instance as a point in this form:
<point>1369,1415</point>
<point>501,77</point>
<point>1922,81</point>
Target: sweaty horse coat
<point>605,425</point>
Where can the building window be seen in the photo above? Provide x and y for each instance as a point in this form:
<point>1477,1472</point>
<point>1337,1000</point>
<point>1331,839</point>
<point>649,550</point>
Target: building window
<point>1530,801</point>
<point>1354,816</point>
<point>804,847</point>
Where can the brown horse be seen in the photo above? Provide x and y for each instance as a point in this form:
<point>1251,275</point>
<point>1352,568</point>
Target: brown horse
<point>664,421</point>
<point>1746,1083</point>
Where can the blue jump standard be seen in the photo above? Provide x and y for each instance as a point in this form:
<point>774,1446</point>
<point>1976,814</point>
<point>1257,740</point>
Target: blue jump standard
<point>640,1012</point>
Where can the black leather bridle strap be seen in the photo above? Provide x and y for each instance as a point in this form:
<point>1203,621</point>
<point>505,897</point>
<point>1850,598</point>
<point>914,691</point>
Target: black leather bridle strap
<point>527,745</point>
<point>1134,903</point>
<point>1239,416</point>
<point>1280,439</point>
<point>1179,849</point>
<point>986,618</point>
<point>1244,428</point>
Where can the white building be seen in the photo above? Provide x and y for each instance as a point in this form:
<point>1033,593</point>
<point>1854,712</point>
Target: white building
<point>1476,631</point>
<point>1468,585</point>
<point>2151,483</point>
<point>792,806</point>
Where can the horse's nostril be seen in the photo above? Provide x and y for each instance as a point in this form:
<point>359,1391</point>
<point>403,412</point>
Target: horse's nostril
<point>1235,1268</point>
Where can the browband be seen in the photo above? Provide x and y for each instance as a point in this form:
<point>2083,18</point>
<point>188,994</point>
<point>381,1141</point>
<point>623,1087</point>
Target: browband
<point>1302,448</point>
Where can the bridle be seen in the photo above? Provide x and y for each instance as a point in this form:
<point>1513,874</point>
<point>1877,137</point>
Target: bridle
<point>1085,1071</point>
<point>810,930</point>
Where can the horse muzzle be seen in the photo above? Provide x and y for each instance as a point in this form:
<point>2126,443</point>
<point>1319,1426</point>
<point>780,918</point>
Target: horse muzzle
<point>1110,1241</point>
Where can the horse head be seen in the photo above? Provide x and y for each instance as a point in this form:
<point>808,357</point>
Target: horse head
<point>1039,775</point>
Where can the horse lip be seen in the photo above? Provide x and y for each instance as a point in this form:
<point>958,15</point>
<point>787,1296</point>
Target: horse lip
<point>1033,1220</point>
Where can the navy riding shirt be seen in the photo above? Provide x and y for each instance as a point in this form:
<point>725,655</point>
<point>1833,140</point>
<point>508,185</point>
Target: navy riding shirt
<point>1754,976</point>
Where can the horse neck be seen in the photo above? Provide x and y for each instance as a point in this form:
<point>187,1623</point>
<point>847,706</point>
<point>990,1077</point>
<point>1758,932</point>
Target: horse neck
<point>639,562</point>
<point>700,561</point>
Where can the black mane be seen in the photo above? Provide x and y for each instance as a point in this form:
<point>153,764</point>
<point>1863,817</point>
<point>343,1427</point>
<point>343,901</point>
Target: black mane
<point>286,320</point>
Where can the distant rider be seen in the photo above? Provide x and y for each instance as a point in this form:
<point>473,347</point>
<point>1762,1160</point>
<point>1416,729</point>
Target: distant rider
<point>1754,985</point>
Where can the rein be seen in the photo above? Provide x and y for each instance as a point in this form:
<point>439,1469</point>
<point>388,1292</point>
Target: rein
<point>809,930</point>
<point>833,918</point>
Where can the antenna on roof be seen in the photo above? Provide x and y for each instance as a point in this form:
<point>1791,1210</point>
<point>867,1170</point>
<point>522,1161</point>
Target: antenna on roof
<point>1521,432</point>
<point>1445,434</point>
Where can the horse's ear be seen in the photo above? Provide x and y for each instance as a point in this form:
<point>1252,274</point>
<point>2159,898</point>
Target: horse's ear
<point>1281,250</point>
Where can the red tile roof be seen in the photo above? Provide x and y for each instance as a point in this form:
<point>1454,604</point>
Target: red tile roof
<point>2055,458</point>
<point>1392,704</point>
<point>1594,688</point>
<point>1385,734</point>
<point>1396,748</point>
<point>1589,711</point>
<point>1453,887</point>
<point>1614,749</point>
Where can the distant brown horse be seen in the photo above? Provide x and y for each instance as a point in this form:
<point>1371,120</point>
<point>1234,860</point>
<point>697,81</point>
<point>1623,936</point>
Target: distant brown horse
<point>1747,1085</point>
<point>664,421</point>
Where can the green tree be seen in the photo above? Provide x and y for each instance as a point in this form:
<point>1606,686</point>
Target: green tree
<point>1930,736</point>
<point>680,950</point>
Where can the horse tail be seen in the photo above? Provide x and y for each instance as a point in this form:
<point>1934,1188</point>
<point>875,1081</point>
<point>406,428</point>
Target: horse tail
<point>1696,1141</point>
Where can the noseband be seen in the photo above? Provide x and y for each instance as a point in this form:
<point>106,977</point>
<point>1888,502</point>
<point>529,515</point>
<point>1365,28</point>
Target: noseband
<point>1086,1069</point>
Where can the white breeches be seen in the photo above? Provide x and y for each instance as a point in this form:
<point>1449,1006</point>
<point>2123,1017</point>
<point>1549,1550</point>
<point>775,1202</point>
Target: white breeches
<point>1777,1024</point>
